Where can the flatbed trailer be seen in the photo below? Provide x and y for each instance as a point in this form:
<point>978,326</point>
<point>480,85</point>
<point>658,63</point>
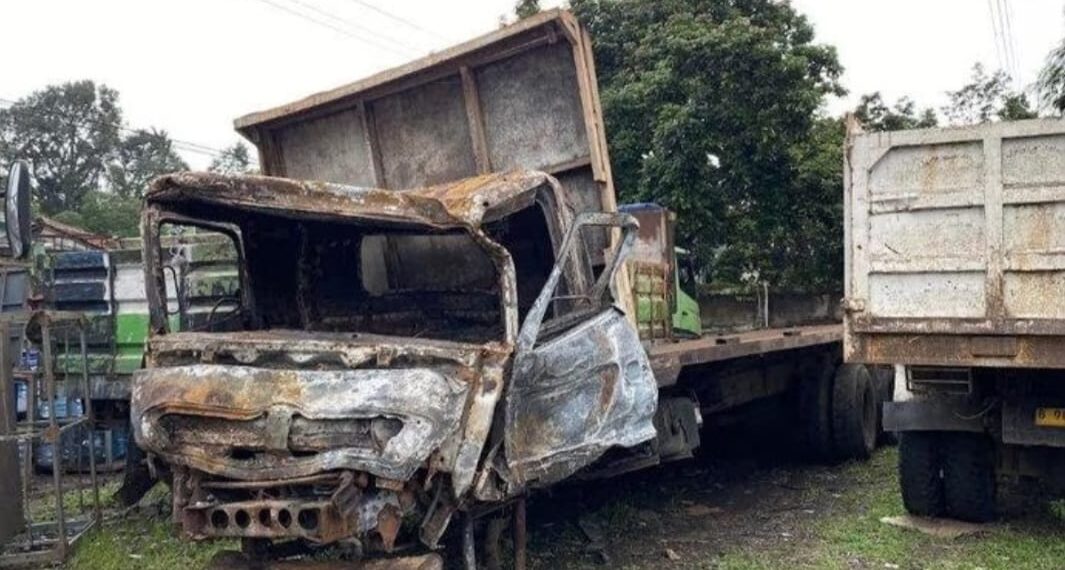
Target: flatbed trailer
<point>669,359</point>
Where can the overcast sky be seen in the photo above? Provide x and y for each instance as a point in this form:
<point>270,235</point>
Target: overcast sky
<point>192,66</point>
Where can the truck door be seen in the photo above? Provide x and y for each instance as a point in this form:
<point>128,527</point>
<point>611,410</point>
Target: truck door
<point>581,381</point>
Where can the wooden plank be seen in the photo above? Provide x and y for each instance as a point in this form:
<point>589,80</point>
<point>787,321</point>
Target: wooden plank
<point>475,117</point>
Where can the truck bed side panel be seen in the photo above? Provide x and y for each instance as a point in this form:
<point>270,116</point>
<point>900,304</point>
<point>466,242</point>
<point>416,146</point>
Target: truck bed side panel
<point>955,245</point>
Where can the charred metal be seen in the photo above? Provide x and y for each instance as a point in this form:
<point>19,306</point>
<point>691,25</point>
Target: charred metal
<point>357,375</point>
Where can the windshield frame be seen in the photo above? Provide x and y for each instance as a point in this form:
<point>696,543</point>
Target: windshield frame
<point>156,214</point>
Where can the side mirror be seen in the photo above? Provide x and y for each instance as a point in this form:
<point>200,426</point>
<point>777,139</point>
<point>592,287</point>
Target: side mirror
<point>17,208</point>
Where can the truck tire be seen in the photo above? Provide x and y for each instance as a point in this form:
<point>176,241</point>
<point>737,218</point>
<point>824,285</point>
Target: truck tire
<point>815,408</point>
<point>920,473</point>
<point>969,477</point>
<point>855,419</point>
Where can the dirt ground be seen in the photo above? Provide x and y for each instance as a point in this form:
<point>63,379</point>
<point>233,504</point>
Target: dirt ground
<point>751,505</point>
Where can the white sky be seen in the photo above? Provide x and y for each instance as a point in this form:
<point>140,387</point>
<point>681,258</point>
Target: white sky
<point>192,66</point>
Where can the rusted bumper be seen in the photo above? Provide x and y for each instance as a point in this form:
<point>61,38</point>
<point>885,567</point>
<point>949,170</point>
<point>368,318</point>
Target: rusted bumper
<point>337,506</point>
<point>254,424</point>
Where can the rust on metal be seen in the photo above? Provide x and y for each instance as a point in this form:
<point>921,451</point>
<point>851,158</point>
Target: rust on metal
<point>352,387</point>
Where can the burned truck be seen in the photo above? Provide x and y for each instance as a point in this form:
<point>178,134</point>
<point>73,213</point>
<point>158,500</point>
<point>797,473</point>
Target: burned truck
<point>389,356</point>
<point>440,307</point>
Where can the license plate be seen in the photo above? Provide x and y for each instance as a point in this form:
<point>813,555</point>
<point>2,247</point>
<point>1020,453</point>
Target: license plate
<point>1050,417</point>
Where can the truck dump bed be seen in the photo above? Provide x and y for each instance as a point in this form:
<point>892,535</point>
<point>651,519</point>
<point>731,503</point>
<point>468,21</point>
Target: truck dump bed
<point>955,246</point>
<point>524,96</point>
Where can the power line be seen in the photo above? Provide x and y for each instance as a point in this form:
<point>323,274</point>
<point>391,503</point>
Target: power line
<point>991,5</point>
<point>1007,11</point>
<point>349,23</point>
<point>399,19</point>
<point>329,25</point>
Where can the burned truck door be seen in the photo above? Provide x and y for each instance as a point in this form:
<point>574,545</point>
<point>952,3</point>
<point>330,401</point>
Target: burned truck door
<point>581,382</point>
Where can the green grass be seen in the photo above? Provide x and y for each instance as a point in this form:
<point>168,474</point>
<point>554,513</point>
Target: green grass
<point>846,533</point>
<point>146,543</point>
<point>144,539</point>
<point>42,506</point>
<point>853,536</point>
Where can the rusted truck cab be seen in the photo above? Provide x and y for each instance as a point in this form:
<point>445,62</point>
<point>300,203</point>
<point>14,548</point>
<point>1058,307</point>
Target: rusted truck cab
<point>390,358</point>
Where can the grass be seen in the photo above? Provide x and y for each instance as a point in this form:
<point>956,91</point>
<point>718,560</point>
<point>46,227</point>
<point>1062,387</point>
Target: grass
<point>75,502</point>
<point>144,539</point>
<point>146,543</point>
<point>846,533</point>
<point>853,536</point>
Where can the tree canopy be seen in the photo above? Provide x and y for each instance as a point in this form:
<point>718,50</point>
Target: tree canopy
<point>90,170</point>
<point>1051,82</point>
<point>711,109</point>
<point>234,159</point>
<point>138,158</point>
<point>875,114</point>
<point>68,133</point>
<point>526,8</point>
<point>985,98</point>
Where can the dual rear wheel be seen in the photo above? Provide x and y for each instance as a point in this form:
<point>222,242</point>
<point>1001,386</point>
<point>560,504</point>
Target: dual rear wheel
<point>947,474</point>
<point>839,410</point>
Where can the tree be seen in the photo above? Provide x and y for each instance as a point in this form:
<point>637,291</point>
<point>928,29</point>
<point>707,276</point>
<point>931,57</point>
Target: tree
<point>875,115</point>
<point>105,213</point>
<point>140,157</point>
<point>711,109</point>
<point>1015,107</point>
<point>1051,82</point>
<point>234,160</point>
<point>525,8</point>
<point>986,98</point>
<point>67,132</point>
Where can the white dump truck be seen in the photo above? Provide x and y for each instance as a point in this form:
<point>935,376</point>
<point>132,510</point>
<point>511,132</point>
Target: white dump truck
<point>955,266</point>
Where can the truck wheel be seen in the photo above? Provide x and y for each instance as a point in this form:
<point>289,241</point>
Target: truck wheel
<point>815,402</point>
<point>920,473</point>
<point>854,412</point>
<point>969,477</point>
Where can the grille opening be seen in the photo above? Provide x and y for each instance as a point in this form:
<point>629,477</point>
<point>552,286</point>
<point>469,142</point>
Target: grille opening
<point>219,519</point>
<point>242,518</point>
<point>284,518</point>
<point>264,517</point>
<point>242,453</point>
<point>308,519</point>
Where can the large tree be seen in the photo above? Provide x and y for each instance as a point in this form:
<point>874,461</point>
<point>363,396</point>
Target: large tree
<point>140,157</point>
<point>712,109</point>
<point>67,132</point>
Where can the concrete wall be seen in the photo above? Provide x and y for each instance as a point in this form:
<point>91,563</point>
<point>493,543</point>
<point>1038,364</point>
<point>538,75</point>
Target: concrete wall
<point>737,312</point>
